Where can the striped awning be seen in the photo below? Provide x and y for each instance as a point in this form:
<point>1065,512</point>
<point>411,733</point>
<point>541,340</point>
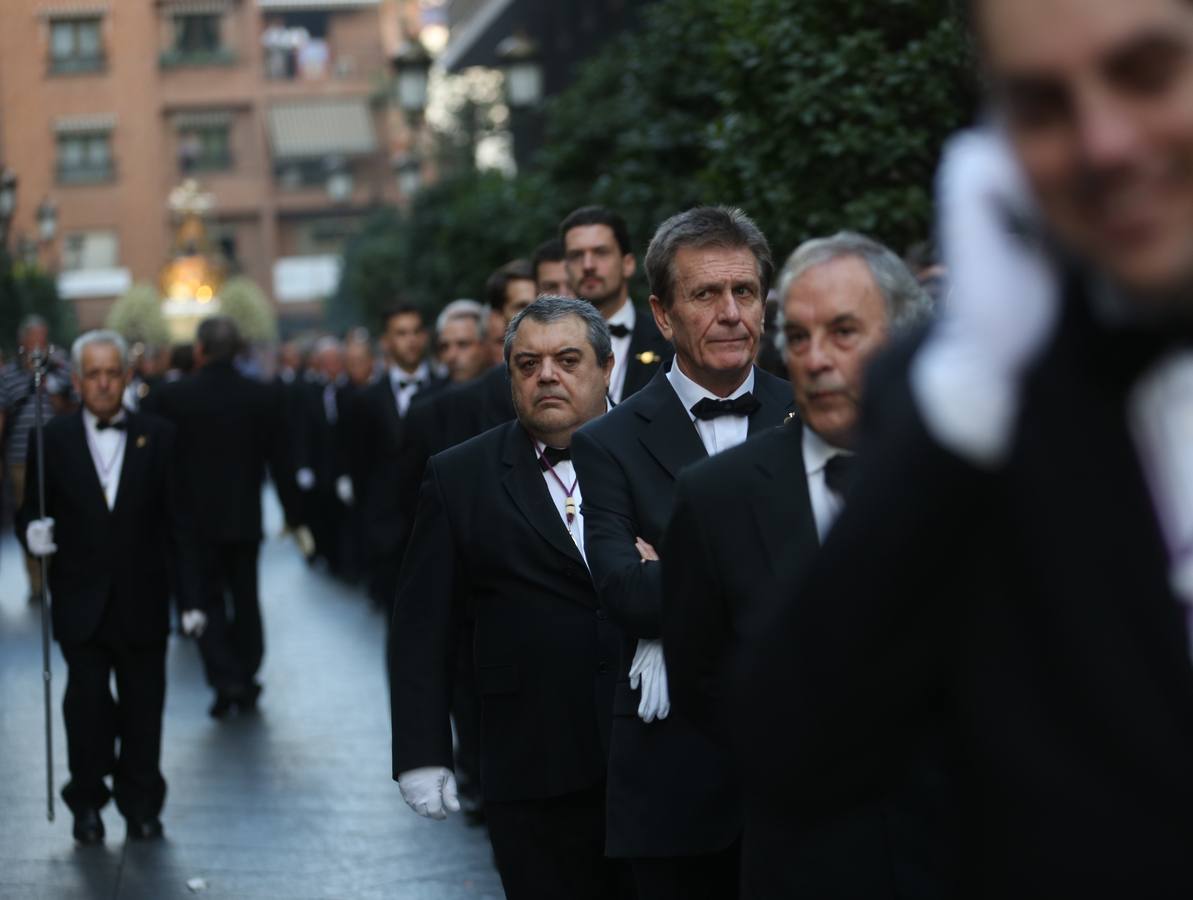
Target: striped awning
<point>202,118</point>
<point>282,5</point>
<point>79,10</point>
<point>314,128</point>
<point>195,7</point>
<point>88,124</point>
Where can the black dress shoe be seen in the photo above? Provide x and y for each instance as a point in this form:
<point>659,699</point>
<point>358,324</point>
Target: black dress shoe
<point>145,829</point>
<point>89,827</point>
<point>244,699</point>
<point>222,705</point>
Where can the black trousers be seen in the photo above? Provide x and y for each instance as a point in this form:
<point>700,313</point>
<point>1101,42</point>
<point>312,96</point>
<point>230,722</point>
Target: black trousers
<point>710,876</point>
<point>555,848</point>
<point>233,643</point>
<point>105,735</point>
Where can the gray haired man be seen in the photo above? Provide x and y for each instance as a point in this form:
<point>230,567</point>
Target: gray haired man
<point>750,519</point>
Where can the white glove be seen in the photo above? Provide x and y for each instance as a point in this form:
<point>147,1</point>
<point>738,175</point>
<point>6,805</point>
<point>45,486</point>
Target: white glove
<point>39,537</point>
<point>650,672</point>
<point>344,490</point>
<point>1003,301</point>
<point>194,622</point>
<point>305,541</point>
<point>430,791</point>
<point>305,479</point>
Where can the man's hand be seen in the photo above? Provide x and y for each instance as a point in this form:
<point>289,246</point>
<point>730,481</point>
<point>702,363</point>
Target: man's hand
<point>305,479</point>
<point>430,791</point>
<point>194,622</point>
<point>649,672</point>
<point>646,551</point>
<point>305,541</point>
<point>344,490</point>
<point>39,537</point>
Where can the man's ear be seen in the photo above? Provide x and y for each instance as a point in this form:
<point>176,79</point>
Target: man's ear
<point>661,318</point>
<point>629,266</point>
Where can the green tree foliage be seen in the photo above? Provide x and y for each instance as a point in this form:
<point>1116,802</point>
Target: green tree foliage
<point>29,290</point>
<point>246,304</point>
<point>137,316</point>
<point>812,115</point>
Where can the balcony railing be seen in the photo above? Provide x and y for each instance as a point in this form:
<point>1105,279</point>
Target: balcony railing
<point>179,59</point>
<point>78,65</point>
<point>86,174</point>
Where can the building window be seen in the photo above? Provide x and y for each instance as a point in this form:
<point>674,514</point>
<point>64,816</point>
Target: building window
<point>197,42</point>
<point>204,149</point>
<point>85,158</point>
<point>296,46</point>
<point>75,46</point>
<point>90,250</point>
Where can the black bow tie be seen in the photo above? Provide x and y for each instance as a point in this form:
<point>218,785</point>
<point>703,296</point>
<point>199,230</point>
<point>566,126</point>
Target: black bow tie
<point>619,331</point>
<point>413,382</point>
<point>708,409</point>
<point>553,456</point>
<point>104,425</point>
<point>839,473</point>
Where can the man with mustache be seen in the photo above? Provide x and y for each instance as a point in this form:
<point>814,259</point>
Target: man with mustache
<point>600,263</point>
<point>673,807</point>
<point>1019,539</point>
<point>499,537</point>
<point>843,297</point>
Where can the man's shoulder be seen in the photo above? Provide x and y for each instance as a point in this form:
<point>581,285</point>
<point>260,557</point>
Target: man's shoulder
<point>624,418</point>
<point>728,472</point>
<point>463,458</point>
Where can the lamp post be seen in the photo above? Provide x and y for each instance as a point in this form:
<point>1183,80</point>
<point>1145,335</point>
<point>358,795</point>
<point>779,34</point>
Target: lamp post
<point>412,68</point>
<point>409,169</point>
<point>519,59</point>
<point>8,203</point>
<point>47,220</point>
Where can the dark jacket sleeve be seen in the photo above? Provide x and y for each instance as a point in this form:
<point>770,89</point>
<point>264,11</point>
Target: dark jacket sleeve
<point>183,540</point>
<point>628,587</point>
<point>280,454</point>
<point>425,634</point>
<point>696,625</point>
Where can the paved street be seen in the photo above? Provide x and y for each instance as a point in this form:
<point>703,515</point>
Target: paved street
<point>296,802</point>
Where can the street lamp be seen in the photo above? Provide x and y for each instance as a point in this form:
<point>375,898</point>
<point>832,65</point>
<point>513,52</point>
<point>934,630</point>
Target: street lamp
<point>519,59</point>
<point>410,174</point>
<point>8,202</point>
<point>47,220</point>
<point>412,67</point>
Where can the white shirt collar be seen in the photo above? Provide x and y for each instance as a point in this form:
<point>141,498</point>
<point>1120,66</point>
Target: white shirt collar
<point>690,393</point>
<point>624,316</point>
<point>397,373</point>
<point>91,420</point>
<point>818,451</point>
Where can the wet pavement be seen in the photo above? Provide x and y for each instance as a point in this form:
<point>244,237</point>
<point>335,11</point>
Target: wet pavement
<point>295,802</point>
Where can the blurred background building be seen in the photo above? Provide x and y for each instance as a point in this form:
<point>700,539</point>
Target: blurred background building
<point>279,108</point>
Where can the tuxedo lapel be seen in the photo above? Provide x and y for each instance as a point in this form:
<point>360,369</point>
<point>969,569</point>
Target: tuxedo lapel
<point>782,507</point>
<point>648,351</point>
<point>669,435</point>
<point>526,487</point>
<point>80,456</point>
<point>775,401</point>
<point>132,467</point>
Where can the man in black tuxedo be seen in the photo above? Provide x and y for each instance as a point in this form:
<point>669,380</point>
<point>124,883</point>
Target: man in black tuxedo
<point>499,537</point>
<point>600,263</point>
<point>379,419</point>
<point>1029,445</point>
<point>748,518</point>
<point>550,270</point>
<point>673,806</point>
<point>229,429</point>
<point>119,531</point>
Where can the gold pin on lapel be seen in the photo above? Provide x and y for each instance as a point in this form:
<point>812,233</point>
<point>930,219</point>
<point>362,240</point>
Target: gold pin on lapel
<point>142,441</point>
<point>790,416</point>
<point>648,358</point>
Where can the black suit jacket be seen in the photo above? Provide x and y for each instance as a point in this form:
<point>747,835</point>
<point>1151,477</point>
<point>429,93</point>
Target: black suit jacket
<point>1065,652</point>
<point>123,556</point>
<point>650,353</point>
<point>671,788</point>
<point>488,541</point>
<point>742,528</point>
<point>229,429</point>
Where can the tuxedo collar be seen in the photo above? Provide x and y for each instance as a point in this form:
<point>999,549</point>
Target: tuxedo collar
<point>526,487</point>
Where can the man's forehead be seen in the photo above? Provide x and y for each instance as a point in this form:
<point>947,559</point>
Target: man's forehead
<point>828,289</point>
<point>698,264</point>
<point>548,338</point>
<point>1042,37</point>
<point>588,236</point>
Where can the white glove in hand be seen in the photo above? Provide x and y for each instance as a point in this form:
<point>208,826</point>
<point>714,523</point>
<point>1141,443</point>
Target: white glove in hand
<point>194,623</point>
<point>305,479</point>
<point>649,672</point>
<point>305,541</point>
<point>430,791</point>
<point>1003,301</point>
<point>39,537</point>
<point>344,490</point>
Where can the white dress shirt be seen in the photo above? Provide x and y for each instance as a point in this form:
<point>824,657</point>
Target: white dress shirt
<point>826,503</point>
<point>567,474</point>
<point>722,432</point>
<point>107,453</point>
<point>626,316</point>
<point>416,380</point>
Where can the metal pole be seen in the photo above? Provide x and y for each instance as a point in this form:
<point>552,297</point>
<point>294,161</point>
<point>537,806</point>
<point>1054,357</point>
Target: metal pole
<point>40,360</point>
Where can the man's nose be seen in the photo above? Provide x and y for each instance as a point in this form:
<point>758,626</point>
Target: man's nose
<point>1108,134</point>
<point>548,372</point>
<point>728,311</point>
